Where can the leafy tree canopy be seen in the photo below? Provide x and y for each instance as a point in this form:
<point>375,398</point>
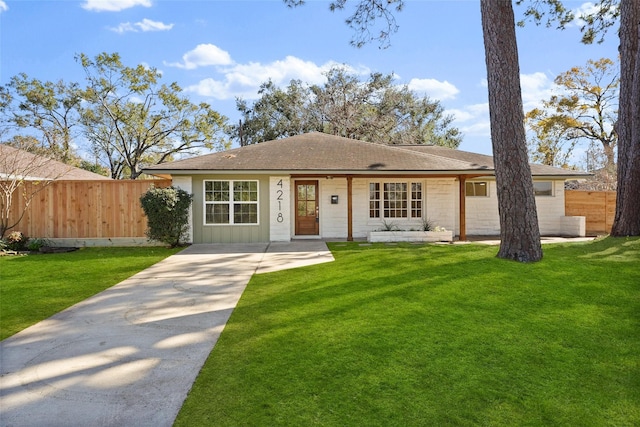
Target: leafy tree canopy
<point>375,110</point>
<point>133,120</point>
<point>584,112</point>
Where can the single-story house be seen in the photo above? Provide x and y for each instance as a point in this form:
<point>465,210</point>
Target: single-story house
<point>322,186</point>
<point>16,164</point>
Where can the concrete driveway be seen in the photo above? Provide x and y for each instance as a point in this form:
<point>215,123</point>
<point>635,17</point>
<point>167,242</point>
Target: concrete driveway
<point>129,355</point>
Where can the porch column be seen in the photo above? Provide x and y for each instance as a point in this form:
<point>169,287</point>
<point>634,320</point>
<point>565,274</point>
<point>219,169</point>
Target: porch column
<point>463,208</point>
<point>349,208</point>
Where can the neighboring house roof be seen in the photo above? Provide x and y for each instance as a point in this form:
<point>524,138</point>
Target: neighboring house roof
<point>323,153</point>
<point>15,163</point>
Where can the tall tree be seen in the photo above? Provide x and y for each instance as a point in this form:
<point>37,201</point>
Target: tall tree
<point>518,222</point>
<point>585,111</point>
<point>51,109</point>
<point>519,232</point>
<point>278,113</point>
<point>627,218</point>
<point>374,110</point>
<point>604,16</point>
<point>550,144</point>
<point>134,120</point>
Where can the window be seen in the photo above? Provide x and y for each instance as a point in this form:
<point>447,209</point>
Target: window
<point>231,202</point>
<point>416,200</point>
<point>374,200</point>
<point>476,189</point>
<point>395,200</point>
<point>543,188</point>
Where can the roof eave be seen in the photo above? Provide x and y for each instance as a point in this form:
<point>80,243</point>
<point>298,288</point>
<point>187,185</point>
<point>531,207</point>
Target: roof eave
<point>158,172</point>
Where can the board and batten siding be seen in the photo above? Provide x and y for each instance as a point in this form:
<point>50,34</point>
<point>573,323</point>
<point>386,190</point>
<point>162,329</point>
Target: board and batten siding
<point>186,183</point>
<point>230,233</point>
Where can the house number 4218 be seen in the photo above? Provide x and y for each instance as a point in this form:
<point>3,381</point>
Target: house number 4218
<point>279,198</point>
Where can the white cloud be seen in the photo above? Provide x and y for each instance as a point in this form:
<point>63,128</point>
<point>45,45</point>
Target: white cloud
<point>149,25</point>
<point>469,113</point>
<point>584,9</point>
<point>113,5</point>
<point>472,120</point>
<point>434,88</point>
<point>203,55</point>
<point>144,26</point>
<point>244,80</point>
<point>124,28</point>
<point>536,88</point>
<point>3,6</point>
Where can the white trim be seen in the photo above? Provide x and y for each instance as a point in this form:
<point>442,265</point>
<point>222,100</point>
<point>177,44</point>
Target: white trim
<point>229,203</point>
<point>553,193</point>
<point>186,183</point>
<point>409,199</point>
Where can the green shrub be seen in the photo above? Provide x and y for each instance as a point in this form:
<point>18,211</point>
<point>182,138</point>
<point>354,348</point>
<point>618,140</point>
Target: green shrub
<point>167,211</point>
<point>34,245</point>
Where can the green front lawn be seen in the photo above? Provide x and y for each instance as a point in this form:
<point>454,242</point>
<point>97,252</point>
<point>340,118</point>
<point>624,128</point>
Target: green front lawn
<point>35,287</point>
<point>432,335</point>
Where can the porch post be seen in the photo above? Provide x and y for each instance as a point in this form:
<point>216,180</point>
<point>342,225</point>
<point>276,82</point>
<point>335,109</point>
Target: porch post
<point>349,208</point>
<point>463,208</point>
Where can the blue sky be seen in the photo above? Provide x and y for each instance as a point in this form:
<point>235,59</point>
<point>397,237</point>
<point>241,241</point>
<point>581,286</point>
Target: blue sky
<point>219,50</point>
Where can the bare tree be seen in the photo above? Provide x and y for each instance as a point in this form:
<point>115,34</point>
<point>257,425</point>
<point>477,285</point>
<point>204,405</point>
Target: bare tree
<point>22,176</point>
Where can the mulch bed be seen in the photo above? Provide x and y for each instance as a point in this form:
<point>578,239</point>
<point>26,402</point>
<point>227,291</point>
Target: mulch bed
<point>43,250</point>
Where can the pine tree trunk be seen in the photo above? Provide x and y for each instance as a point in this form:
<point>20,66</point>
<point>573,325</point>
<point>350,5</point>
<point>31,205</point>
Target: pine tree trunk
<point>627,218</point>
<point>519,232</point>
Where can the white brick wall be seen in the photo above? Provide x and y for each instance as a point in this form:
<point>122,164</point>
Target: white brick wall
<point>280,208</point>
<point>333,218</point>
<point>483,218</point>
<point>482,213</point>
<point>439,205</point>
<point>441,202</point>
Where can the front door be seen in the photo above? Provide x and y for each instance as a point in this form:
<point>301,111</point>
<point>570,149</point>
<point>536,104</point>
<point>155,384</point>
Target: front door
<point>307,215</point>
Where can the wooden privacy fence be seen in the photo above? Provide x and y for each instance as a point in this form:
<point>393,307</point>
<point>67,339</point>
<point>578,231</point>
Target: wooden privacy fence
<point>599,208</point>
<point>84,209</point>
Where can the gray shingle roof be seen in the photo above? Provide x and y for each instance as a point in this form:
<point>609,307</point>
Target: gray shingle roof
<point>31,167</point>
<point>318,152</point>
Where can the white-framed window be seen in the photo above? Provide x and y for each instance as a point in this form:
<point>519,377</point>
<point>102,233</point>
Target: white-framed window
<point>416,200</point>
<point>395,200</point>
<point>230,202</point>
<point>374,200</point>
<point>543,188</point>
<point>476,189</point>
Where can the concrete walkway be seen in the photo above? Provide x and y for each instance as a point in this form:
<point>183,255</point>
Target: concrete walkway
<point>129,355</point>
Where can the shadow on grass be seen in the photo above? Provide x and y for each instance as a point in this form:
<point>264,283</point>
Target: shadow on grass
<point>432,335</point>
